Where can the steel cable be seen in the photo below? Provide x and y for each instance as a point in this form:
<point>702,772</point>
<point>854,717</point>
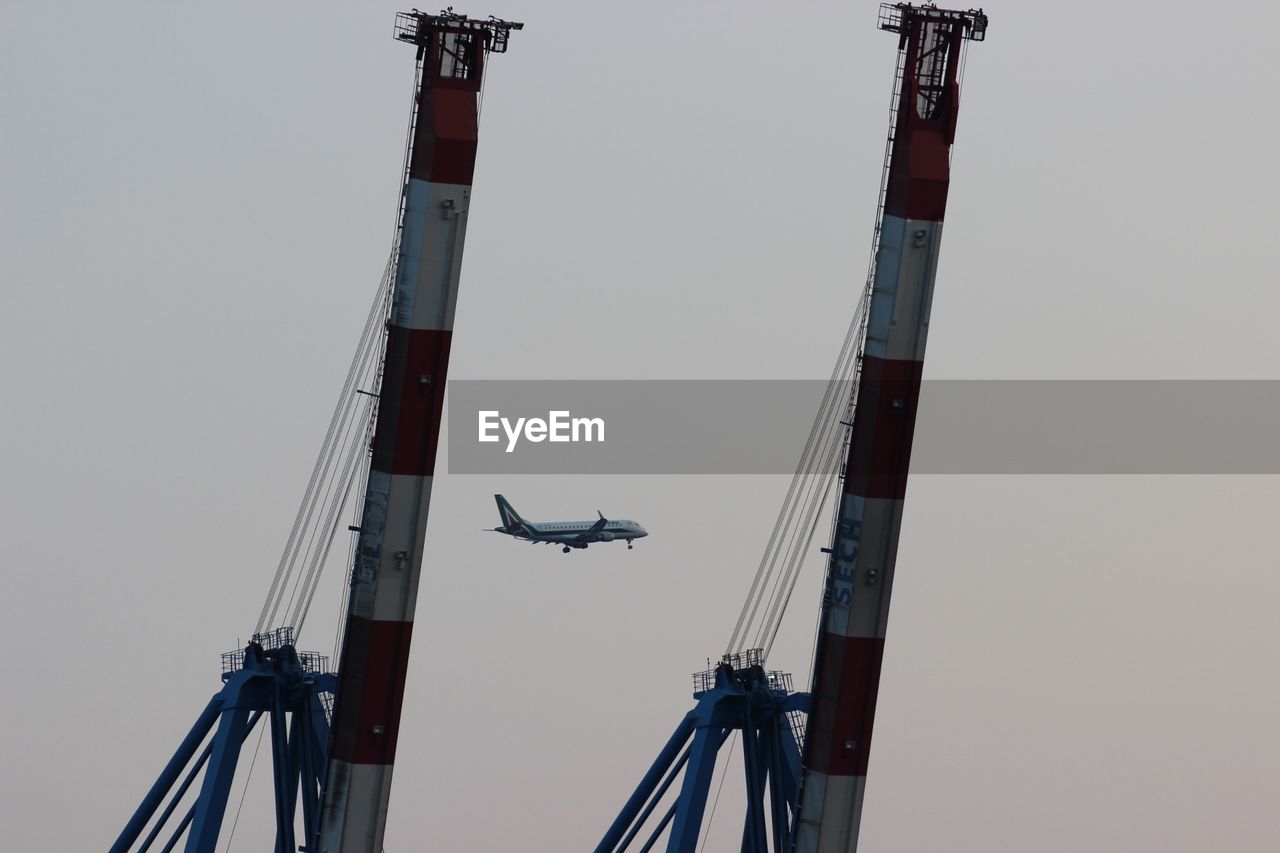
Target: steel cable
<point>848,351</point>
<point>801,509</point>
<point>325,457</point>
<point>334,521</point>
<point>811,471</point>
<point>291,586</point>
<point>335,489</point>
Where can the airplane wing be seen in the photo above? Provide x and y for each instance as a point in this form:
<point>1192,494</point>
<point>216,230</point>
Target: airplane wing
<point>590,533</point>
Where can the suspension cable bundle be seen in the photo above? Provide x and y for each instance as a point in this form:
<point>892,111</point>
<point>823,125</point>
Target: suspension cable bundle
<point>336,469</point>
<point>815,474</point>
<point>797,521</point>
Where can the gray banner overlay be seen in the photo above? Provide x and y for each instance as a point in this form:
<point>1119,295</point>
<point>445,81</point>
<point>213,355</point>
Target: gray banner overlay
<point>963,426</point>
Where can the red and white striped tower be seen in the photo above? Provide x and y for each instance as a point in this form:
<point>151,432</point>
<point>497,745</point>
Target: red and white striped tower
<point>384,584</point>
<point>864,551</point>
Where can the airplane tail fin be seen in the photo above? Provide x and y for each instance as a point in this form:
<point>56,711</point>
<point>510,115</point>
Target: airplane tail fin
<point>511,520</point>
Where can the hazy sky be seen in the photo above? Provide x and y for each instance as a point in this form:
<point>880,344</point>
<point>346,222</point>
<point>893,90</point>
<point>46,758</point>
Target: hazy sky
<point>196,203</point>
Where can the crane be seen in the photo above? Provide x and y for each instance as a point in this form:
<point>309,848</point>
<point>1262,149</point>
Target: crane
<point>388,560</point>
<point>333,734</point>
<point>805,755</point>
<point>863,552</point>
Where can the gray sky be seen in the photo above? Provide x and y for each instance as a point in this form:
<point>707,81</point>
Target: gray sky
<point>195,206</point>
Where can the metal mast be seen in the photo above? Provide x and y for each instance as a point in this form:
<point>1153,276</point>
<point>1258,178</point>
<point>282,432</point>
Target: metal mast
<point>384,584</point>
<point>859,577</point>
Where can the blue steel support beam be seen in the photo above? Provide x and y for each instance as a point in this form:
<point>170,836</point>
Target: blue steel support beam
<point>650,781</point>
<point>790,763</point>
<point>315,746</point>
<point>249,689</point>
<point>657,833</point>
<point>780,818</point>
<point>175,799</point>
<point>180,793</point>
<point>693,793</point>
<point>182,790</point>
<point>182,827</point>
<point>753,834</point>
<point>168,776</point>
<point>300,759</point>
<point>659,794</point>
<point>232,729</point>
<point>655,799</point>
<point>286,776</point>
<point>768,742</point>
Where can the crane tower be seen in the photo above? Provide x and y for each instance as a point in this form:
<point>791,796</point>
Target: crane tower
<point>804,755</point>
<point>859,580</point>
<point>388,561</point>
<point>333,736</point>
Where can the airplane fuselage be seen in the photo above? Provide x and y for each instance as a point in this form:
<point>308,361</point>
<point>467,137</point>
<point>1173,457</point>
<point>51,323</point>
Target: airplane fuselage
<point>569,531</point>
<point>570,534</point>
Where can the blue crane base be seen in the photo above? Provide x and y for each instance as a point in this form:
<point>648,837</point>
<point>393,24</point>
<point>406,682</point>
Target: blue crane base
<point>737,695</point>
<point>268,681</point>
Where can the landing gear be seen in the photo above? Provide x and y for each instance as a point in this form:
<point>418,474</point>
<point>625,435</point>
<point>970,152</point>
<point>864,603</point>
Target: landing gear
<point>629,546</point>
<point>566,549</point>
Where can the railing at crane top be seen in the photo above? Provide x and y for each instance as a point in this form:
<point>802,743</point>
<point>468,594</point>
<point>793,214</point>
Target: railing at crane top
<point>973,21</point>
<point>312,663</point>
<point>415,27</point>
<point>742,662</point>
<point>749,673</point>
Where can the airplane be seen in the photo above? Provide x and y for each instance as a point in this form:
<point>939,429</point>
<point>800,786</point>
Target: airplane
<point>570,534</point>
